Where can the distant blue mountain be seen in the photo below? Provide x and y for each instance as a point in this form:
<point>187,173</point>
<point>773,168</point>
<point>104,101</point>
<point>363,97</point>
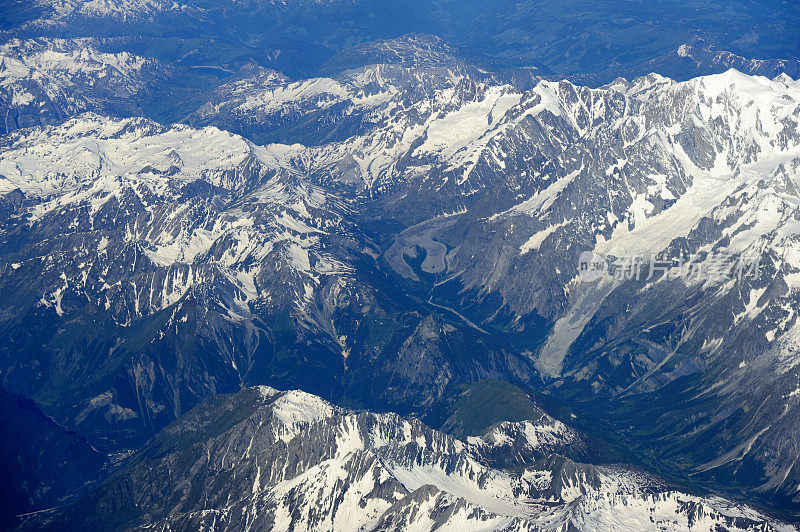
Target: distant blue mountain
<point>605,38</point>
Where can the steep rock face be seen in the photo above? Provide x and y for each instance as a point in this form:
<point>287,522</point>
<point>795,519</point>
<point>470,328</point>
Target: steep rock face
<point>420,227</point>
<point>546,173</point>
<point>150,241</point>
<point>189,262</point>
<point>261,458</point>
<point>720,178</point>
<point>507,189</point>
<point>435,246</point>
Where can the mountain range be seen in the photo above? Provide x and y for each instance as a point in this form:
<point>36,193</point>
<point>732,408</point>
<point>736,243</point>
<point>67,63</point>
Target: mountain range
<point>264,459</point>
<point>398,238</point>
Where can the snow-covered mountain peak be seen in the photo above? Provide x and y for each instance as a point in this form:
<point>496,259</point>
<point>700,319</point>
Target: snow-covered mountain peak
<point>736,98</point>
<point>364,471</point>
<point>178,196</point>
<point>62,12</point>
<point>460,127</point>
<point>44,81</point>
<point>52,160</point>
<point>296,408</point>
<point>26,59</point>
